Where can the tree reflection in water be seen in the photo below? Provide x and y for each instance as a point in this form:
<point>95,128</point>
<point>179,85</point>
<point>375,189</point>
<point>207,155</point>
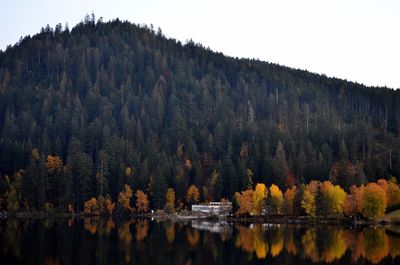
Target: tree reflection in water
<point>140,241</point>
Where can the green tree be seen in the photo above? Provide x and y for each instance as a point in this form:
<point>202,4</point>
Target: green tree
<point>281,168</point>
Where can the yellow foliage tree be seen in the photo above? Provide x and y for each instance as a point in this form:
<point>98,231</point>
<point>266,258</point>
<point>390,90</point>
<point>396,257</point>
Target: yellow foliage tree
<point>374,201</point>
<point>337,196</point>
<point>329,199</point>
<point>308,203</point>
<point>259,195</point>
<point>393,194</point>
<point>276,198</point>
<point>170,198</point>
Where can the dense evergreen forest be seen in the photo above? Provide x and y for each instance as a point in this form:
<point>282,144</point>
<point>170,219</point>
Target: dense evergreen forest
<point>85,111</point>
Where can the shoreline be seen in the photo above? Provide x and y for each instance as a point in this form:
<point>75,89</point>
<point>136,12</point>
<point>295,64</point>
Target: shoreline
<point>188,216</point>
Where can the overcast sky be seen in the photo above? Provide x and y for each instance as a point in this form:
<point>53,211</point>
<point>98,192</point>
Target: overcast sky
<point>357,40</point>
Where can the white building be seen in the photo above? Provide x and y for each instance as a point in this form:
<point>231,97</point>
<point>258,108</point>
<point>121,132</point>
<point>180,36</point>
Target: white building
<point>213,207</point>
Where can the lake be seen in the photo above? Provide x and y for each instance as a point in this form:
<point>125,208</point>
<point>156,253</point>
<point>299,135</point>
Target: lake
<point>106,241</point>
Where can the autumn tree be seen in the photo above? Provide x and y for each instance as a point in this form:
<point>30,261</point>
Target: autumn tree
<point>288,201</point>
<point>275,199</point>
<point>298,199</point>
<point>192,195</point>
<point>393,194</point>
<point>383,183</point>
<point>91,207</point>
<point>110,206</point>
<point>124,198</point>
<point>53,163</point>
<point>352,204</point>
<point>142,201</point>
<point>53,181</point>
<point>329,199</point>
<point>99,206</point>
<point>308,202</point>
<point>170,198</point>
<point>374,201</point>
<point>259,196</point>
<point>244,201</point>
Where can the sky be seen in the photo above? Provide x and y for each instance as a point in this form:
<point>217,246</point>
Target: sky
<point>357,40</point>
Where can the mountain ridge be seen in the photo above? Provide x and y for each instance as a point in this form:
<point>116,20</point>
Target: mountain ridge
<point>116,97</point>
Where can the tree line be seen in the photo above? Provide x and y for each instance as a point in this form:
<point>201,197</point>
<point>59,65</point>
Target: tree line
<point>84,111</point>
<point>313,199</point>
<point>320,199</point>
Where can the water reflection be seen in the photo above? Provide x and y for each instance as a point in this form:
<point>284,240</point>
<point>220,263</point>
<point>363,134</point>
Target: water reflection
<point>326,244</point>
<point>140,241</point>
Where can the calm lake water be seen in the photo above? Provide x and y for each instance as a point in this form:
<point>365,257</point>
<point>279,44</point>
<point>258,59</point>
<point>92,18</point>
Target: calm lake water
<point>99,241</point>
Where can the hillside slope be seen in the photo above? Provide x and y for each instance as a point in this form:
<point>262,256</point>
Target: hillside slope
<point>120,103</point>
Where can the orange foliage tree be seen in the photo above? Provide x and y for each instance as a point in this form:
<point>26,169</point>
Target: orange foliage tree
<point>142,201</point>
<point>192,195</point>
<point>110,205</point>
<point>383,184</point>
<point>124,197</point>
<point>288,199</point>
<point>91,207</point>
<point>53,163</point>
<point>353,202</point>
<point>98,206</point>
<point>244,200</point>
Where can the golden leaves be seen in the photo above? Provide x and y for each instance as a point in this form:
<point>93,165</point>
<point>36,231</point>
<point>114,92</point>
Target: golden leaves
<point>259,194</point>
<point>374,201</point>
<point>192,195</point>
<point>245,201</point>
<point>170,198</point>
<point>124,198</point>
<point>142,201</point>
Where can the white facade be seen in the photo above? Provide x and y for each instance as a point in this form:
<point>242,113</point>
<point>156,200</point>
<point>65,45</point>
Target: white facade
<point>213,207</point>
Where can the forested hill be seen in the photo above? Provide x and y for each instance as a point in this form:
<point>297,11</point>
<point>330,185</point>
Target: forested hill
<point>87,110</point>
